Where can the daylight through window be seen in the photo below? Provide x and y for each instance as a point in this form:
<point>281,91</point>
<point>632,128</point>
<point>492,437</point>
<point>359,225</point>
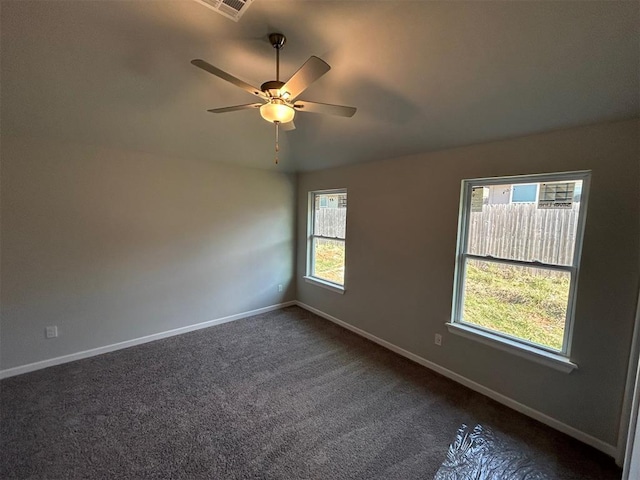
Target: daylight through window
<point>518,256</point>
<point>327,234</point>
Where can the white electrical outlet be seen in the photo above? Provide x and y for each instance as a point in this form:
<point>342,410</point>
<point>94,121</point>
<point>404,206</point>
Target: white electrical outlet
<point>280,287</point>
<point>438,339</point>
<point>51,332</point>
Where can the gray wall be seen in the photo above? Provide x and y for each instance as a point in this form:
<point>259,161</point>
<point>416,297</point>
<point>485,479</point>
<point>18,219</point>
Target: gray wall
<point>114,245</point>
<point>401,238</point>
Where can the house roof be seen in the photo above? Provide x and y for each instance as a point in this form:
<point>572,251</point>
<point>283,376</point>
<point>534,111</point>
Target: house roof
<point>424,75</point>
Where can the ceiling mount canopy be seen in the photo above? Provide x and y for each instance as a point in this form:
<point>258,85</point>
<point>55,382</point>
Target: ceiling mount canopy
<point>277,40</point>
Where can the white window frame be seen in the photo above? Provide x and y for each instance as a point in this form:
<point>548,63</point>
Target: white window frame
<point>560,360</point>
<point>311,236</point>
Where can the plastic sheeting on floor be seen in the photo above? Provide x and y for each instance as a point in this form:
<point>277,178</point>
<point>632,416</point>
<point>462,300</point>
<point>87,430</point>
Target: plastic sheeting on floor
<point>479,454</point>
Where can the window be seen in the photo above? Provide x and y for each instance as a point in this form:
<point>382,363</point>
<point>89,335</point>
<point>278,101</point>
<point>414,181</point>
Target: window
<point>517,263</point>
<point>327,234</point>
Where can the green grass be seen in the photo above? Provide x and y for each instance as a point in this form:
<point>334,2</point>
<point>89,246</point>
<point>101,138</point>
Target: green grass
<point>518,302</point>
<point>503,298</point>
<point>329,261</point>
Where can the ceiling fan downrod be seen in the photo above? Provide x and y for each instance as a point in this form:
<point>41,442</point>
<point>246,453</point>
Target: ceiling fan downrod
<point>277,41</point>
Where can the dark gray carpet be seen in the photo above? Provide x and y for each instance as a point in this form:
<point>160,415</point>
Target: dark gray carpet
<point>283,395</point>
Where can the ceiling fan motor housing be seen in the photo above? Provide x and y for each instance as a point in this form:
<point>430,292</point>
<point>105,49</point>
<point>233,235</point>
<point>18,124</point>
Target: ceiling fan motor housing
<point>272,88</point>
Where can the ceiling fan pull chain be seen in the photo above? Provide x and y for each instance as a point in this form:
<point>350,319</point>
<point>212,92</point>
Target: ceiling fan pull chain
<point>277,146</point>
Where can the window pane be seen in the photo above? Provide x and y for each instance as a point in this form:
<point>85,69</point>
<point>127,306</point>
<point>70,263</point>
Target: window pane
<point>328,260</point>
<point>524,302</point>
<point>544,231</point>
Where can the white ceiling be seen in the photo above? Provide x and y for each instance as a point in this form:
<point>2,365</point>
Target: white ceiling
<point>424,75</point>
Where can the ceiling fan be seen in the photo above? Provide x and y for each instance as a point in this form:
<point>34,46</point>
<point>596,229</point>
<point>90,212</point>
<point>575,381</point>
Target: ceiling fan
<point>280,98</point>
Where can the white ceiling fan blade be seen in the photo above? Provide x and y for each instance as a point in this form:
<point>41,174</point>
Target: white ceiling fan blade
<point>326,108</point>
<point>235,108</point>
<point>207,67</point>
<point>308,73</point>
<point>288,126</point>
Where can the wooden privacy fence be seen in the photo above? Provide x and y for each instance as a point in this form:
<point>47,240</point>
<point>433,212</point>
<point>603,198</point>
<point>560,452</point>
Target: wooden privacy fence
<point>524,232</point>
<point>520,231</point>
<point>330,222</point>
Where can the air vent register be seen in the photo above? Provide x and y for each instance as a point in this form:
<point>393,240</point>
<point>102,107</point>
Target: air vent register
<point>232,9</point>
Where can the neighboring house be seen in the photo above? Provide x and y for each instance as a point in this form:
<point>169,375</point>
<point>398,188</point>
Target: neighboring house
<point>503,194</point>
<point>497,194</point>
<point>332,201</point>
<point>524,193</point>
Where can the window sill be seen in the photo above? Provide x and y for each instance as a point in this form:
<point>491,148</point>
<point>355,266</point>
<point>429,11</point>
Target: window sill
<point>324,284</point>
<point>553,360</point>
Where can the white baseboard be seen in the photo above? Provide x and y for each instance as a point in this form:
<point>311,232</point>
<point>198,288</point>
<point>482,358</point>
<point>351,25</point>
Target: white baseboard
<point>10,372</point>
<point>610,450</point>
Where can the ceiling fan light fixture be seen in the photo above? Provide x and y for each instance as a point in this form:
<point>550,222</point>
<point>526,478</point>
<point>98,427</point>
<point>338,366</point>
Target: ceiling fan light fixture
<point>277,112</point>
